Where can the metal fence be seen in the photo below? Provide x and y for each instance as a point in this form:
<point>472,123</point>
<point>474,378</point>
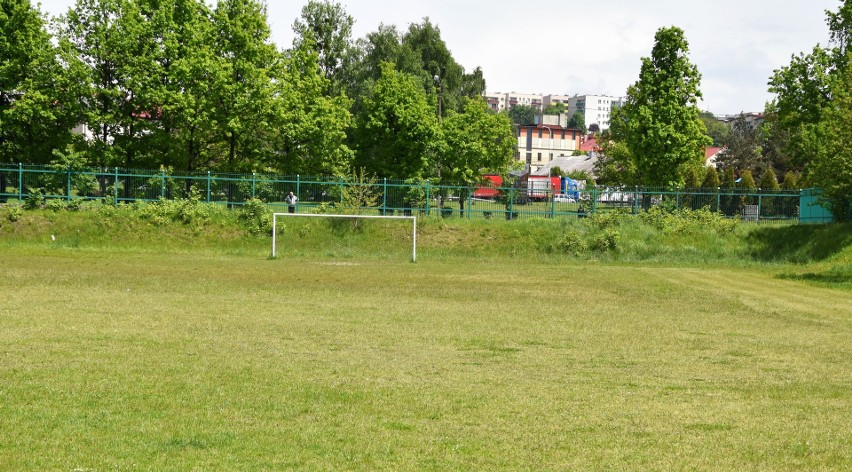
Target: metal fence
<point>117,185</point>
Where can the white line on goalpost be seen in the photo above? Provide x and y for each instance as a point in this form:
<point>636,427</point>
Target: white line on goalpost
<point>324,215</point>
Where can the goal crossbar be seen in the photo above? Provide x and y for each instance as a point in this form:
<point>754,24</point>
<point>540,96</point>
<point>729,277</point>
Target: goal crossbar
<point>325,215</point>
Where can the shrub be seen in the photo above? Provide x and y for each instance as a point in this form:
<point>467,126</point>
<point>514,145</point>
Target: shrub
<point>34,200</point>
<point>13,213</point>
<point>56,204</point>
<point>256,217</point>
<point>570,242</point>
<point>608,240</point>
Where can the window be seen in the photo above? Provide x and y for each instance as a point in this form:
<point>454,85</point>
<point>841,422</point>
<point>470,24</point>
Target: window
<point>539,157</point>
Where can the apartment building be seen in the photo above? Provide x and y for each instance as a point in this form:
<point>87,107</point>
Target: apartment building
<point>540,143</point>
<point>597,109</point>
<point>499,101</point>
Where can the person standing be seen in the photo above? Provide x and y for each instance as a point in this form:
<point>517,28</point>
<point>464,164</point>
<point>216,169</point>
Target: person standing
<point>291,202</point>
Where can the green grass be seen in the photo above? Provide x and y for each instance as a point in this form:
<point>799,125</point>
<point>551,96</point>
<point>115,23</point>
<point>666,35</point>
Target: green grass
<point>165,349</point>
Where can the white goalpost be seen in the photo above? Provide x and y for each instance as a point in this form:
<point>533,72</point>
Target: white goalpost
<point>324,215</point>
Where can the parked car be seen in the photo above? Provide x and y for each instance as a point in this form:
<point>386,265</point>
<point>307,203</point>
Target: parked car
<point>562,198</point>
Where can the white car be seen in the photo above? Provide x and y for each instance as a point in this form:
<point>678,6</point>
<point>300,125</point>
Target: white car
<point>562,198</point>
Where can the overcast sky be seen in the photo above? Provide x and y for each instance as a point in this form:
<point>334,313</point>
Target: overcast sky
<point>594,47</point>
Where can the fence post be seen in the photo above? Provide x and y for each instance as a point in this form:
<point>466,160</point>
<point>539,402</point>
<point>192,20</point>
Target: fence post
<point>208,186</point>
<point>253,183</point>
<point>677,199</point>
<point>759,201</point>
<point>469,201</point>
<point>552,205</point>
<point>298,189</point>
<point>115,188</point>
<point>162,183</point>
<point>20,182</point>
<point>341,190</point>
<point>718,199</point>
<point>511,203</point>
<point>68,184</point>
<point>428,196</point>
<point>594,200</point>
<point>384,195</point>
<point>636,198</point>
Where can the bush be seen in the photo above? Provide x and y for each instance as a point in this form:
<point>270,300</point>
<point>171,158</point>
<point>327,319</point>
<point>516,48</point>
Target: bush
<point>256,217</point>
<point>35,200</point>
<point>13,213</point>
<point>56,204</point>
<point>608,240</point>
<point>571,242</point>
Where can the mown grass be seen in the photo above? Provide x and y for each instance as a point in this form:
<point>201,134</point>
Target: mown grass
<point>138,346</point>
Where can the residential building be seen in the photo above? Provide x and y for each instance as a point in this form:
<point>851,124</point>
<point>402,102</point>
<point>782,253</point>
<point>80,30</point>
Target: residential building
<point>499,101</point>
<point>540,143</point>
<point>596,109</point>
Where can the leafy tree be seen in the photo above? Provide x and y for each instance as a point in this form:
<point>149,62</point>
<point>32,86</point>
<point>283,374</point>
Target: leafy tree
<point>729,180</point>
<point>692,178</point>
<point>554,109</point>
<point>594,127</point>
<point>662,129</point>
<point>578,121</point>
<point>245,96</point>
<point>747,180</point>
<point>396,131</point>
<point>711,179</point>
<point>475,142</point>
<point>38,96</point>
<point>327,28</point>
<point>742,148</point>
<point>831,167</point>
<point>311,126</point>
<point>556,171</point>
<point>522,114</point>
<point>791,181</point>
<point>716,130</point>
<point>768,181</point>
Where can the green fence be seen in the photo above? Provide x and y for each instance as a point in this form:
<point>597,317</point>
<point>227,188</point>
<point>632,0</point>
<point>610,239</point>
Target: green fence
<point>117,185</point>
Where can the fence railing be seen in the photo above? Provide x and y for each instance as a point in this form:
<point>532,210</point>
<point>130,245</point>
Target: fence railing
<point>117,185</point>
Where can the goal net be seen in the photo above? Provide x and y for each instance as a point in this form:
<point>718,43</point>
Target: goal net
<point>413,220</point>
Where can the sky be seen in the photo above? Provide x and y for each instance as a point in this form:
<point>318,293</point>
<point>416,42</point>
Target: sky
<point>595,47</point>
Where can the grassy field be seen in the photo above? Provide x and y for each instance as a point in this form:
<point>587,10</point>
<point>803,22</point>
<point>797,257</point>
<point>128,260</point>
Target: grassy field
<point>175,348</point>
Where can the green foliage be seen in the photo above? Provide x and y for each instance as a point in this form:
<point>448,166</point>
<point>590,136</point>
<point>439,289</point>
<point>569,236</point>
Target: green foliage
<point>55,204</point>
<point>187,211</point>
<point>12,212</point>
<point>791,181</point>
<point>716,130</point>
<point>831,166</point>
<point>578,121</point>
<point>768,181</point>
<point>659,123</point>
<point>475,143</point>
<point>693,177</point>
<point>729,181</point>
<point>326,27</point>
<point>742,148</point>
<point>608,240</point>
<point>747,180</point>
<point>711,179</point>
<point>522,114</point>
<point>556,171</point>
<point>569,242</point>
<point>256,217</point>
<point>34,200</point>
<point>688,221</point>
<point>397,129</point>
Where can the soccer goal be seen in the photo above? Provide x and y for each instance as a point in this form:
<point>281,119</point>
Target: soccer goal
<point>323,215</point>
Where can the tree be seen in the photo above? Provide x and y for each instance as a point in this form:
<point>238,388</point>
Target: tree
<point>831,167</point>
<point>39,102</point>
<point>716,130</point>
<point>522,114</point>
<point>396,132</point>
<point>711,179</point>
<point>554,109</point>
<point>578,121</point>
<point>245,99</point>
<point>311,125</point>
<point>742,148</point>
<point>327,28</point>
<point>662,129</point>
<point>594,127</point>
<point>475,142</point>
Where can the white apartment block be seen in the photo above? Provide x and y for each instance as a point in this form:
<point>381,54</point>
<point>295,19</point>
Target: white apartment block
<point>597,109</point>
<point>499,101</point>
